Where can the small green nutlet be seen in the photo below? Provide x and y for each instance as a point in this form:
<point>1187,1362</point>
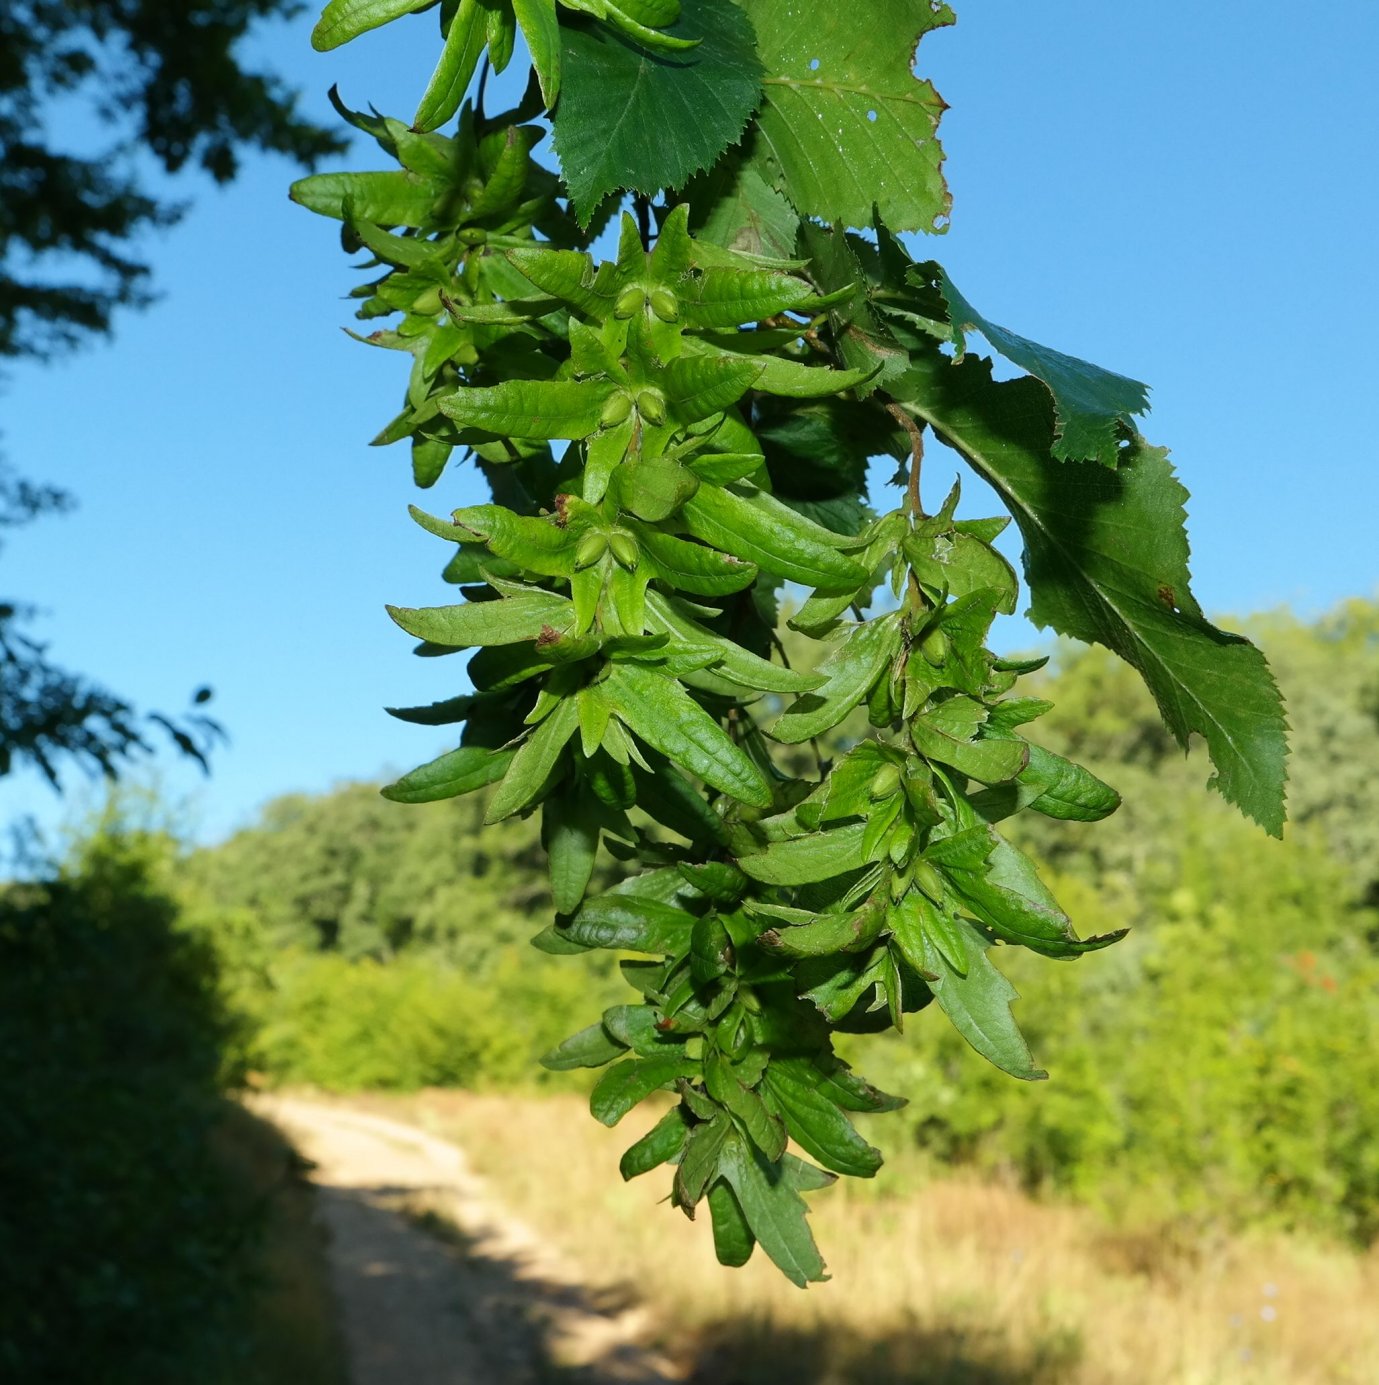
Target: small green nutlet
<point>934,647</point>
<point>589,550</point>
<point>617,409</point>
<point>929,880</point>
<point>427,302</point>
<point>665,305</point>
<point>630,302</point>
<point>625,549</point>
<point>885,782</point>
<point>651,404</point>
<point>472,235</point>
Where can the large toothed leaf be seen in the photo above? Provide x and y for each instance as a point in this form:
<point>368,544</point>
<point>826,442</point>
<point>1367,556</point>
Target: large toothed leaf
<point>343,20</point>
<point>1090,402</point>
<point>664,715</point>
<point>736,208</point>
<point>1106,558</point>
<point>450,775</point>
<point>633,118</point>
<point>538,409</point>
<point>845,128</point>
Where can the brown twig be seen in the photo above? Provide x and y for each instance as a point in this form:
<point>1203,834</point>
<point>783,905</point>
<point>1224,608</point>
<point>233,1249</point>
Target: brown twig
<point>916,432</point>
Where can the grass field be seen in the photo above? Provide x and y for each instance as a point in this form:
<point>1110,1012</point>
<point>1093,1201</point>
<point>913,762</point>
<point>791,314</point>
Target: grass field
<point>945,1282</point>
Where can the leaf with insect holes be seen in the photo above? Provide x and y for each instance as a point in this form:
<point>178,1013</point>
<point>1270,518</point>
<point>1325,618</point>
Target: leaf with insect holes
<point>846,130</point>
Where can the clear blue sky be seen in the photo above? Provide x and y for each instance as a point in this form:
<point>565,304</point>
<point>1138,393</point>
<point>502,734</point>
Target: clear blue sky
<point>1187,198</point>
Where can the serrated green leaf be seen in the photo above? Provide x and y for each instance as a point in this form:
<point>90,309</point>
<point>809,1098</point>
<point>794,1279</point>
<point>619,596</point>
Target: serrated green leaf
<point>733,206</point>
<point>626,1084</point>
<point>456,772</point>
<point>851,669</point>
<point>658,710</point>
<point>631,924</point>
<point>802,860</point>
<point>818,1126</point>
<point>978,1004</point>
<point>846,130</point>
<point>540,409</point>
<point>1106,561</point>
<point>1091,404</point>
<point>590,1048</point>
<point>342,20</point>
<point>661,1144</point>
<point>511,620</point>
<point>757,528</point>
<point>631,118</point>
<point>776,1213</point>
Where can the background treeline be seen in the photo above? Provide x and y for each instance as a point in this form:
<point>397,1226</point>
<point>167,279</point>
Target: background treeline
<point>1221,1064</point>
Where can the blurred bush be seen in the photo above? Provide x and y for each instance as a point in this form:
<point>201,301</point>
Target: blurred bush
<point>130,1217</point>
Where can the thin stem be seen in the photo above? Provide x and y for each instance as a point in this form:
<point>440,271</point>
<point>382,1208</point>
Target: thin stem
<point>479,95</point>
<point>916,432</point>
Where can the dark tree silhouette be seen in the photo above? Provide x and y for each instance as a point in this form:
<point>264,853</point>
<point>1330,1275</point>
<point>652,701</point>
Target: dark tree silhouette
<point>166,80</point>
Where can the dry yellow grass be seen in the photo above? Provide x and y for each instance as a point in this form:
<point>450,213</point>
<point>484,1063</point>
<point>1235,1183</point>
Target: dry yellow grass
<point>950,1283</point>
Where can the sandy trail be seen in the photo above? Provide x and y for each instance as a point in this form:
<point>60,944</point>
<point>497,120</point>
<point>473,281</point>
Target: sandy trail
<point>495,1307</point>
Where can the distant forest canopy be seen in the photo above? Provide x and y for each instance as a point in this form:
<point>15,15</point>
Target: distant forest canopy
<point>1221,1068</point>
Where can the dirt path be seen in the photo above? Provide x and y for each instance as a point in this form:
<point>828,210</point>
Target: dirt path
<point>486,1304</point>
